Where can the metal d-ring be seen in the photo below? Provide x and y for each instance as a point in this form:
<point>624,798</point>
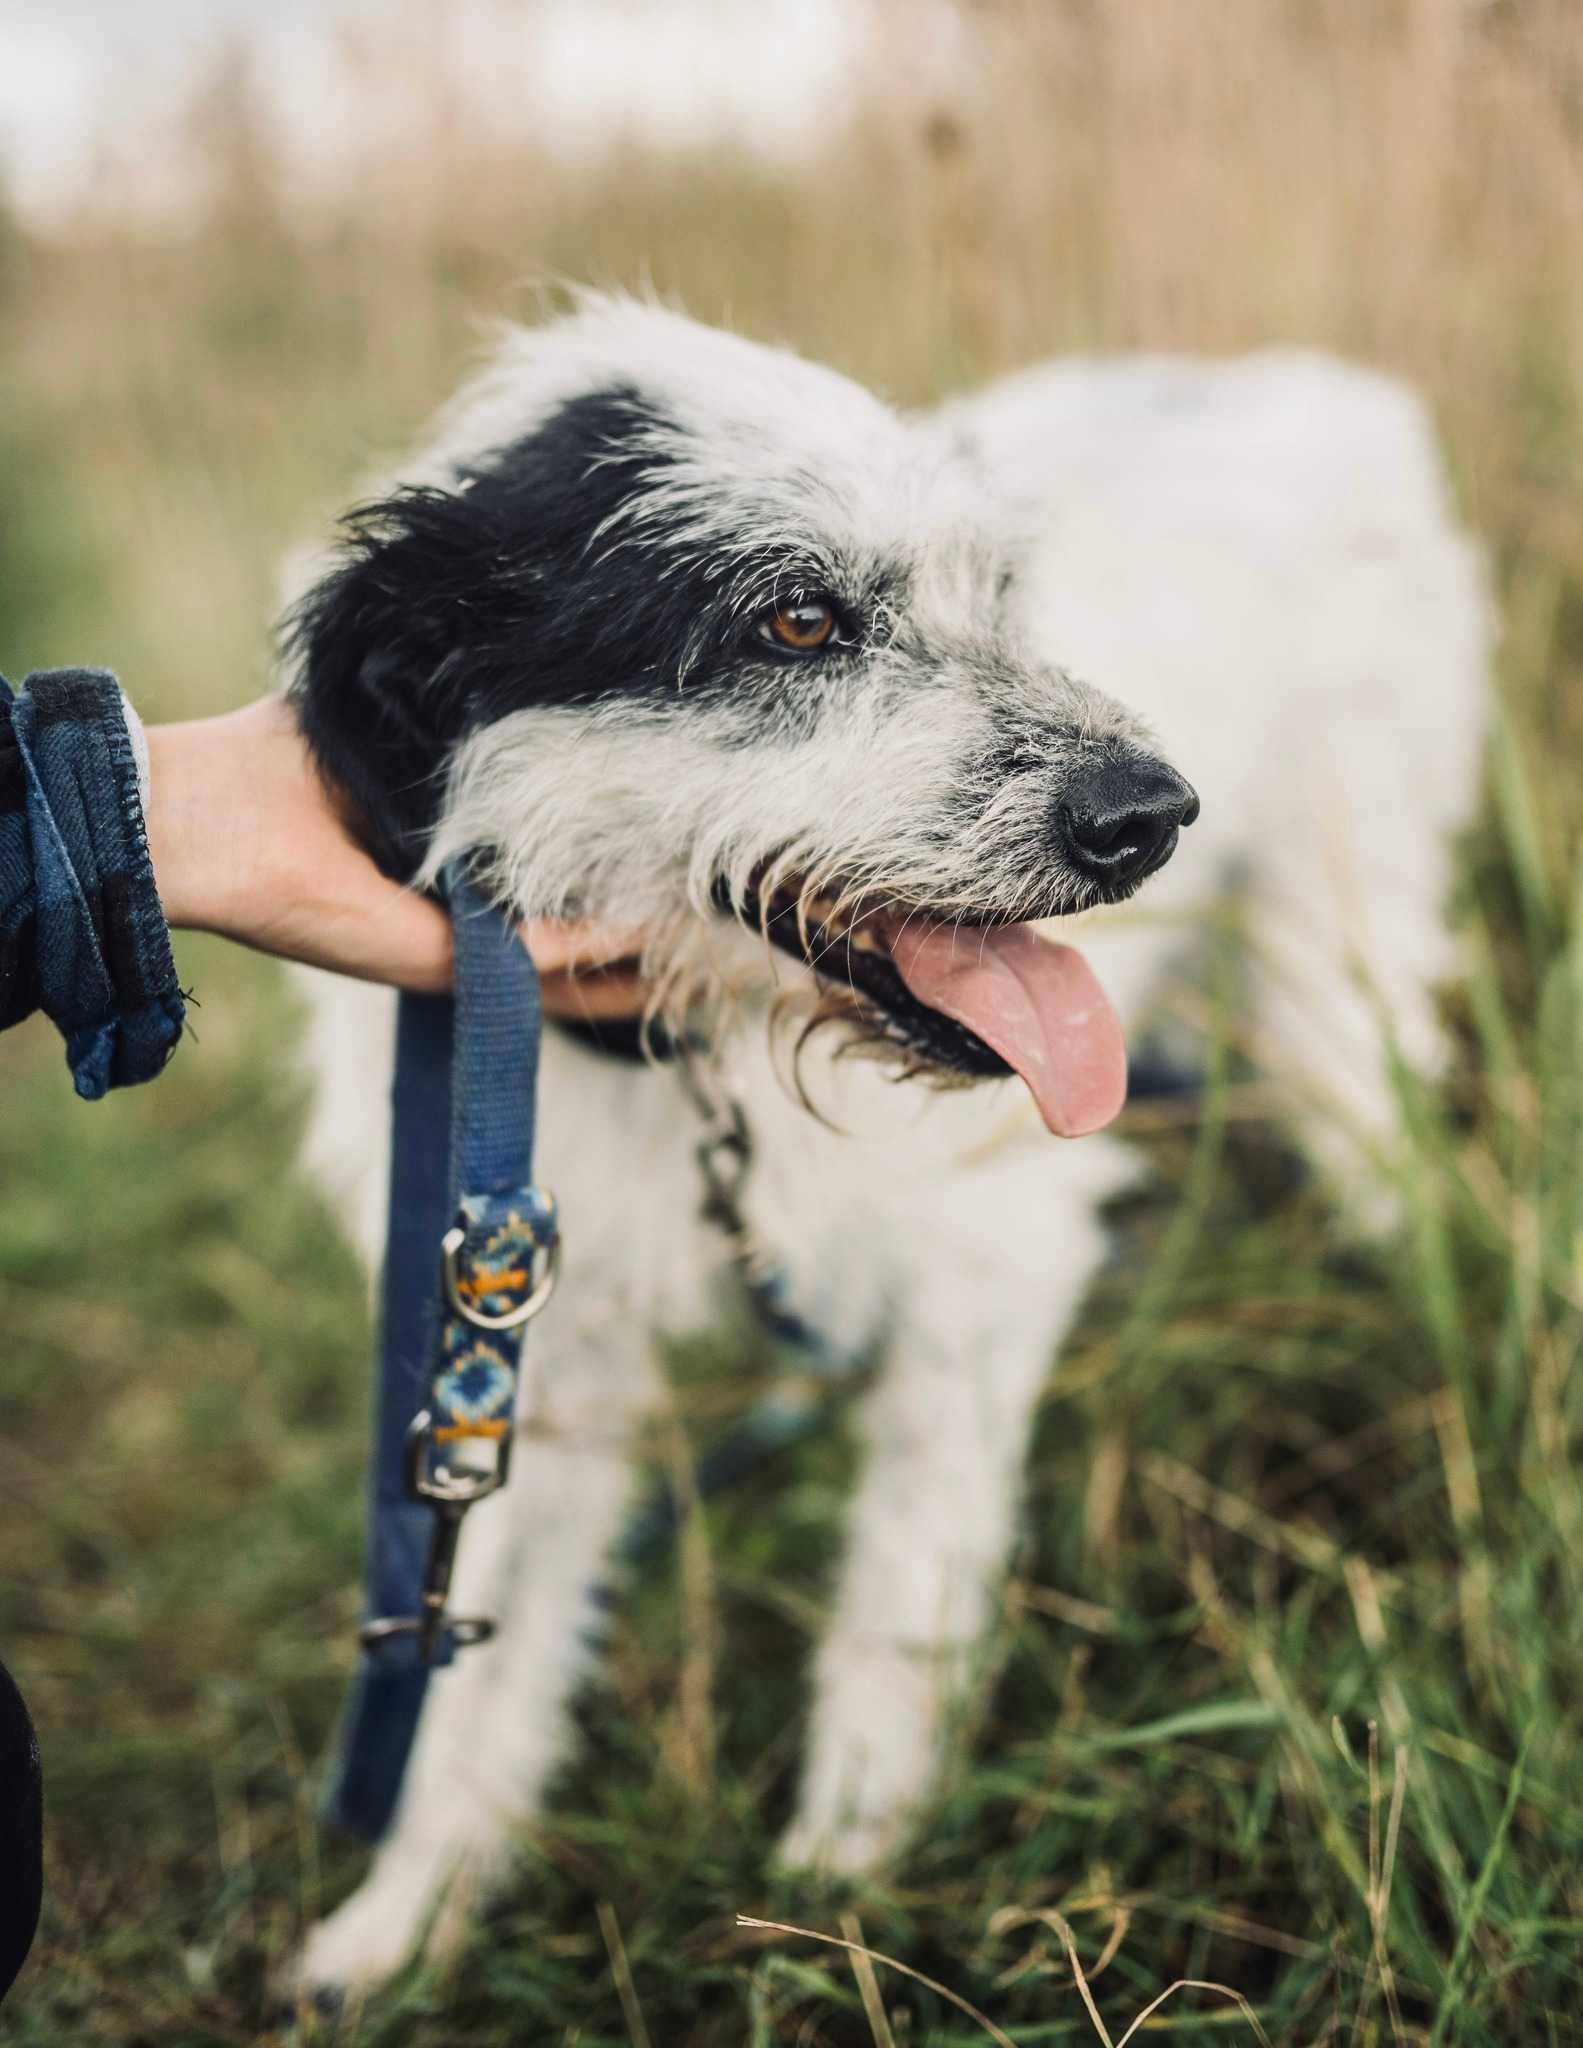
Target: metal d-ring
<point>513,1318</point>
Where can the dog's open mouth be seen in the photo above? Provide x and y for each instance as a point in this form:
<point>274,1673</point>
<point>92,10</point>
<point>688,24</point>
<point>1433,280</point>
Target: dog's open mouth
<point>972,998</point>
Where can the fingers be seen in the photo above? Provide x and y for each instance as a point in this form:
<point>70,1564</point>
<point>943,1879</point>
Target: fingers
<point>405,939</point>
<point>605,993</point>
<point>559,943</point>
<point>587,970</point>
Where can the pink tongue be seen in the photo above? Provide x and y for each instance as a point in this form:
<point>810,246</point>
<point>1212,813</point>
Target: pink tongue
<point>1039,1006</point>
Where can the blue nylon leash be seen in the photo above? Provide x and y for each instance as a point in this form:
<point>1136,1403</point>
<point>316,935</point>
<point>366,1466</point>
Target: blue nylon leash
<point>470,1258</point>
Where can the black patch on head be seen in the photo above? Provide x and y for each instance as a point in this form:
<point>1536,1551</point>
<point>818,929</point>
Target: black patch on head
<point>452,607</point>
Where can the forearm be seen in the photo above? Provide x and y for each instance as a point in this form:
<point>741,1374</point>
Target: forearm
<point>109,832</point>
<point>246,842</point>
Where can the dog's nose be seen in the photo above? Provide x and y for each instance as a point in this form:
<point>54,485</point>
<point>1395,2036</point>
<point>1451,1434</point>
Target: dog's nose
<point>1119,822</point>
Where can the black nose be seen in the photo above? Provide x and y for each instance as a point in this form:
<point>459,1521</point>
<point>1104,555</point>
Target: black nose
<point>1119,821</point>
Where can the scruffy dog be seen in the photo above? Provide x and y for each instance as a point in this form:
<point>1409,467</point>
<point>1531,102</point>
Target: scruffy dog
<point>841,705</point>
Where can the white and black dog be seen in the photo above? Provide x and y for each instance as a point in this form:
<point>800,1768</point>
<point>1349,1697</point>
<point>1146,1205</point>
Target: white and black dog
<point>840,705</point>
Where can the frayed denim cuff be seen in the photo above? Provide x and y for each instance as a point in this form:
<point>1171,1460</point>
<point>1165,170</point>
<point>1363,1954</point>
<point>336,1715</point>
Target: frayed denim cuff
<point>82,934</point>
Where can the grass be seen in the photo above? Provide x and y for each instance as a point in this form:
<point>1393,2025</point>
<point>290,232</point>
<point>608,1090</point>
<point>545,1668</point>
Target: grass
<point>1284,1692</point>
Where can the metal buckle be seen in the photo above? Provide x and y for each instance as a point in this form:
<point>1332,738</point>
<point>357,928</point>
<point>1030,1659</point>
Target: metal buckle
<point>455,1488</point>
<point>450,1250</point>
<point>450,1492</point>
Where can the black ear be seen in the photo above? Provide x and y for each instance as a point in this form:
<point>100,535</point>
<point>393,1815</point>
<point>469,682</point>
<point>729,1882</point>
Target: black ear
<point>449,608</point>
<point>379,647</point>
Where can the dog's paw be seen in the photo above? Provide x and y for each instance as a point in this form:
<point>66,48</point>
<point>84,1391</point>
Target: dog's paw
<point>873,1756</point>
<point>848,1845</point>
<point>360,1946</point>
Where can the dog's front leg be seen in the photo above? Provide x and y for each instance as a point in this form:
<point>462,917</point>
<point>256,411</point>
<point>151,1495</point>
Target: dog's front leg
<point>945,1431</point>
<point>495,1722</point>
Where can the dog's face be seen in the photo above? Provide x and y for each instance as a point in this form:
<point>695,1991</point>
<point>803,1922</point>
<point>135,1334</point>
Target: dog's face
<point>686,632</point>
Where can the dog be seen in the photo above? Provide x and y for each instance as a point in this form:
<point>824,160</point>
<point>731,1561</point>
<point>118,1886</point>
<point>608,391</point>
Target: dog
<point>841,706</point>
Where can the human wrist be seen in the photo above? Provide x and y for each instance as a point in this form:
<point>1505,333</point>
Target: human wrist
<point>192,832</point>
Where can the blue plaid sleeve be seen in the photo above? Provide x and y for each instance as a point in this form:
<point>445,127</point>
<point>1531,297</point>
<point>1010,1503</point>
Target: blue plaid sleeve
<point>82,934</point>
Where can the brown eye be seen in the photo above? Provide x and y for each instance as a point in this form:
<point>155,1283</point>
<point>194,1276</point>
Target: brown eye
<point>804,627</point>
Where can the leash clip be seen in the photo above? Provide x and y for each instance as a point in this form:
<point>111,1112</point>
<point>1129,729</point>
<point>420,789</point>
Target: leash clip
<point>517,1248</point>
<point>450,1491</point>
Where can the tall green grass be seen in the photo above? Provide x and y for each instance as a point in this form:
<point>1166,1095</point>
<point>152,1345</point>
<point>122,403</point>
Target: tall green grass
<point>1284,1692</point>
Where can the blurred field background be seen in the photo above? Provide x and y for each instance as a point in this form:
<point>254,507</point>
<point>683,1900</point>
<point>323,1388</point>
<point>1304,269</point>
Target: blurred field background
<point>1288,1685</point>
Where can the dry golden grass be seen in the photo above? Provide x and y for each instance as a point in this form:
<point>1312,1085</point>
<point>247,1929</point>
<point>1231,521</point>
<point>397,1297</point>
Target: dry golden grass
<point>1398,179</point>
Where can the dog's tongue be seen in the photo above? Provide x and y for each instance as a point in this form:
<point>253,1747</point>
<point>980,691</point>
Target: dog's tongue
<point>1037,1004</point>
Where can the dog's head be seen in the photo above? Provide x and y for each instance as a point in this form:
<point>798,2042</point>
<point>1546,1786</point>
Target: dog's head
<point>683,631</point>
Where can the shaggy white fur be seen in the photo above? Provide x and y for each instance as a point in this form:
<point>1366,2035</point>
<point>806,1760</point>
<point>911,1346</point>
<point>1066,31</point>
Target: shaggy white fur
<point>1256,560</point>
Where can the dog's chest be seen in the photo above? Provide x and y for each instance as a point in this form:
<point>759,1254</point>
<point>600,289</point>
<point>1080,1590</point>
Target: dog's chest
<point>854,1211</point>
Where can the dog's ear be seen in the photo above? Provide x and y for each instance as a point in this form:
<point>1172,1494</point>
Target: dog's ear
<point>449,607</point>
<point>379,647</point>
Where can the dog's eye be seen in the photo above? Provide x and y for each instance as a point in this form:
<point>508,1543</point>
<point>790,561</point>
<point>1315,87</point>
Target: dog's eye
<point>802,627</point>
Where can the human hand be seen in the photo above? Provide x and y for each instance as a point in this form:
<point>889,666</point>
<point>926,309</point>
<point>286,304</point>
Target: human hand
<point>246,840</point>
